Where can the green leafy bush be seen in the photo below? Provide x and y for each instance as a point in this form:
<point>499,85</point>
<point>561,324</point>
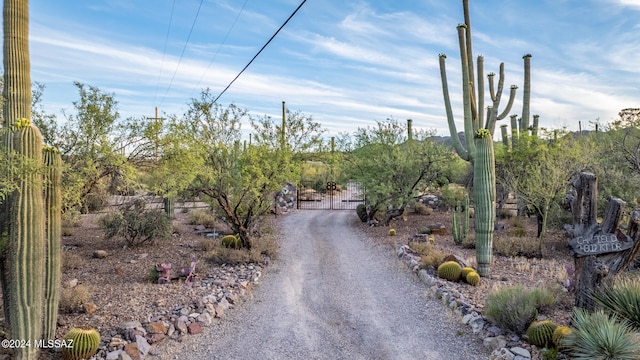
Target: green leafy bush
<point>599,336</point>
<point>136,224</point>
<point>515,308</point>
<point>622,299</point>
<point>452,193</point>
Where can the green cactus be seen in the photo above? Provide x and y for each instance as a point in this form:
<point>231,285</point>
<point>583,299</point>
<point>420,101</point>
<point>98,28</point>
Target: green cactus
<point>466,271</point>
<point>460,221</point>
<point>450,270</point>
<point>559,334</point>
<point>53,206</point>
<point>392,232</point>
<point>472,278</point>
<point>540,333</point>
<point>484,198</point>
<point>474,120</point>
<point>22,264</point>
<point>169,206</point>
<point>85,343</point>
<point>231,241</point>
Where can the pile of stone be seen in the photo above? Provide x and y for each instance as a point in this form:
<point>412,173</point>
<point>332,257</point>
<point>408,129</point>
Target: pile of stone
<point>503,346</point>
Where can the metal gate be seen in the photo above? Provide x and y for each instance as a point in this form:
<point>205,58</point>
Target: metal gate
<point>330,195</point>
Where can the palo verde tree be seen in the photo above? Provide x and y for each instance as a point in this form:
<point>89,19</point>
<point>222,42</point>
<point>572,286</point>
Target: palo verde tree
<point>478,133</point>
<point>393,167</point>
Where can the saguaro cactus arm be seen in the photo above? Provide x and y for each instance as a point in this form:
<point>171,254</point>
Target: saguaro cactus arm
<point>462,152</point>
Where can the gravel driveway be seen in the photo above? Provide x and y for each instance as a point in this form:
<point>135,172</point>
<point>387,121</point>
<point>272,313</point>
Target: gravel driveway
<point>333,295</point>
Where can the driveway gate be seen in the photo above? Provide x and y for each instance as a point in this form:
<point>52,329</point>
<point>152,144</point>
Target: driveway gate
<point>330,196</point>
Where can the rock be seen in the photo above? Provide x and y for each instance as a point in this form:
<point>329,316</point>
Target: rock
<point>143,345</point>
<point>131,349</point>
<point>155,338</point>
<point>502,354</point>
<point>116,342</point>
<point>204,319</point>
<point>156,328</point>
<point>61,322</point>
<point>224,303</point>
<point>219,311</point>
<point>131,333</point>
<point>499,226</point>
<point>72,283</point>
<point>232,298</point>
<point>124,356</point>
<point>426,278</point>
<point>521,352</point>
<point>181,325</point>
<point>437,229</point>
<point>100,254</point>
<point>494,343</point>
<point>129,324</point>
<point>116,355</point>
<point>195,328</point>
<point>89,308</point>
<point>160,302</point>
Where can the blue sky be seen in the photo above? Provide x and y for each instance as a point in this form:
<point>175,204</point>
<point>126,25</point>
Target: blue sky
<point>346,63</point>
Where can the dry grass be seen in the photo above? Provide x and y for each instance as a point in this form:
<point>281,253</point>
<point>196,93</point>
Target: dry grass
<point>71,260</point>
<point>263,246</point>
<point>430,256</point>
<point>202,217</point>
<point>71,299</point>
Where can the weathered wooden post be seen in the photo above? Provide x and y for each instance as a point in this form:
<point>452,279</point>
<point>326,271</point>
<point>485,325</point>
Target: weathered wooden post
<point>601,250</point>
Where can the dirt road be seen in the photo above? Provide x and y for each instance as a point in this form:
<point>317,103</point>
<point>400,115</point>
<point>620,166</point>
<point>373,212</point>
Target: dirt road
<point>334,295</point>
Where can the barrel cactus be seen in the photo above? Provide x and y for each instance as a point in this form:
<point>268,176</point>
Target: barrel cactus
<point>540,333</point>
<point>560,333</point>
<point>466,271</point>
<point>450,270</point>
<point>84,343</point>
<point>473,278</point>
<point>231,241</point>
<point>392,232</point>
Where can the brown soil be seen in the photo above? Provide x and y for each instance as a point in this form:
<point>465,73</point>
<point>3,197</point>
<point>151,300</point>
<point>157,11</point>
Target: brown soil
<point>530,272</point>
<point>120,285</point>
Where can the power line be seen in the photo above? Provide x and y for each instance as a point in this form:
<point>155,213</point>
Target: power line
<point>183,50</point>
<point>224,41</point>
<point>263,47</point>
<point>164,50</point>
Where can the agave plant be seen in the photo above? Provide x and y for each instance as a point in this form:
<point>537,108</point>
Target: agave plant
<point>622,299</point>
<point>598,335</point>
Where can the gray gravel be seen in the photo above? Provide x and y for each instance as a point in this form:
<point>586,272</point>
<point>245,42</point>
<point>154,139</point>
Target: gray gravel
<point>332,294</point>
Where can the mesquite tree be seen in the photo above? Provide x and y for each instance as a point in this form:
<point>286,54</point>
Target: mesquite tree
<point>478,131</point>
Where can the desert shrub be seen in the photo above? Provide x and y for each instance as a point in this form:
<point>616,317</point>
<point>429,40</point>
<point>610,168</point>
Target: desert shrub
<point>452,193</point>
<point>425,231</point>
<point>621,298</point>
<point>515,308</point>
<point>469,242</point>
<point>599,336</point>
<point>70,219</point>
<point>207,244</point>
<point>71,260</point>
<point>96,201</point>
<point>154,275</point>
<point>515,246</point>
<point>422,209</point>
<point>136,224</point>
<point>202,217</point>
<point>72,298</point>
<point>430,256</point>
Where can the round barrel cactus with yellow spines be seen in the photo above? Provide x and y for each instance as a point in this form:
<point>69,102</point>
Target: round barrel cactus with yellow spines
<point>450,270</point>
<point>560,333</point>
<point>84,345</point>
<point>472,278</point>
<point>466,271</point>
<point>540,333</point>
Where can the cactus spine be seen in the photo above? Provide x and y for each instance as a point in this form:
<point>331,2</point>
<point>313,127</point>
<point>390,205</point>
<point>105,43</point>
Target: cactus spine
<point>53,208</point>
<point>23,268</point>
<point>474,120</point>
<point>460,220</point>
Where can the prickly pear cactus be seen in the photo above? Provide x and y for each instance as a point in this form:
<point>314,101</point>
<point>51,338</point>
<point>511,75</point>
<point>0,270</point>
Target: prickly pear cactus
<point>85,344</point>
<point>450,270</point>
<point>540,333</point>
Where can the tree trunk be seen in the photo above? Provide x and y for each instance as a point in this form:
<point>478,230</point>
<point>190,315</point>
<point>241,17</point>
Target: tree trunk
<point>601,250</point>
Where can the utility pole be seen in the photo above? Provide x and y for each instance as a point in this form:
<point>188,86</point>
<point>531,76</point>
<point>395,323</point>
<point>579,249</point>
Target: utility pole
<point>283,135</point>
<point>157,130</point>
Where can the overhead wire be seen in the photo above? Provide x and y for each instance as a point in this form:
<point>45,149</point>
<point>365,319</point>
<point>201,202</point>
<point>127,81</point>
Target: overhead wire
<point>183,50</point>
<point>260,51</point>
<point>224,41</point>
<point>164,51</point>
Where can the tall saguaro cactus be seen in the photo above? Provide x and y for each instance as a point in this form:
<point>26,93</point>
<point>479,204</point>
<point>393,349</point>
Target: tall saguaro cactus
<point>24,249</point>
<point>17,67</point>
<point>478,131</point>
<point>53,208</point>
